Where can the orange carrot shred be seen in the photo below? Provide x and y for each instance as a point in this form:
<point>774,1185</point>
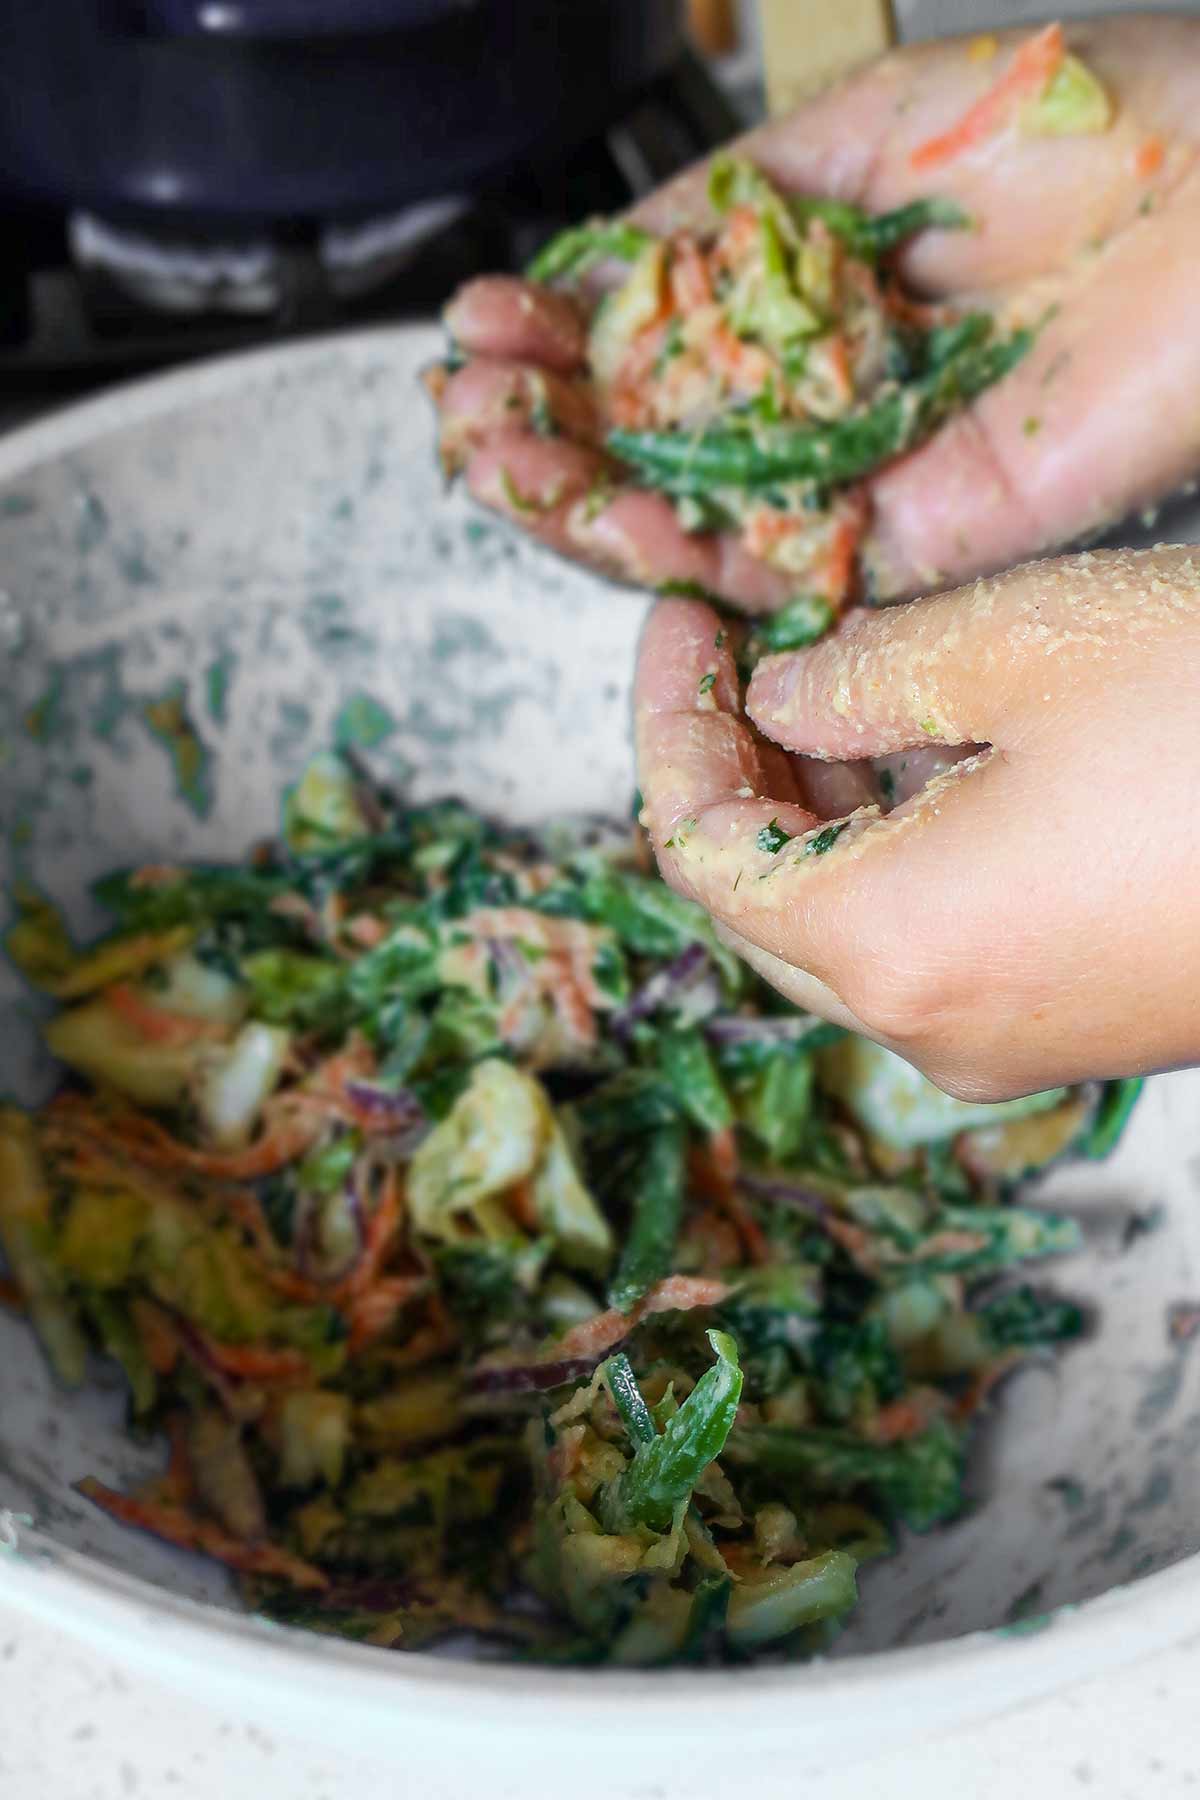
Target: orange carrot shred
<point>11,1295</point>
<point>155,1023</point>
<point>189,1532</point>
<point>1034,66</point>
<point>1149,158</point>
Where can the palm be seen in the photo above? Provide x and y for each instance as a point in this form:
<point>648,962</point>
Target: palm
<point>1102,233</point>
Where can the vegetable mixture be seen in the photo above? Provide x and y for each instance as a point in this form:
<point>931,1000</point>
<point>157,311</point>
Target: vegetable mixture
<point>497,1255</point>
<point>759,375</point>
<point>760,369</point>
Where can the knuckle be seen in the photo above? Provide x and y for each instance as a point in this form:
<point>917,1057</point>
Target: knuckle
<point>973,1085</point>
<point>891,980</point>
<point>894,1005</point>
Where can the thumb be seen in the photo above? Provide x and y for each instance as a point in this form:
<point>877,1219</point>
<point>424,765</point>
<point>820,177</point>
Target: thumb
<point>992,664</point>
<point>861,141</point>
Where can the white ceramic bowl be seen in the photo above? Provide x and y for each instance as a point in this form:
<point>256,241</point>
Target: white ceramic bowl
<point>267,539</point>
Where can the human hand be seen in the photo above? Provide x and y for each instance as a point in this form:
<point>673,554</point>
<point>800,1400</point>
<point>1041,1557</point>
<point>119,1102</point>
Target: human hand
<point>1099,419</point>
<point>1029,918</point>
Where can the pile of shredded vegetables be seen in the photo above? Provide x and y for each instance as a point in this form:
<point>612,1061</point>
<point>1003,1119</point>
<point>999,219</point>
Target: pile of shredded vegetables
<point>760,371</point>
<point>759,374</point>
<point>496,1255</point>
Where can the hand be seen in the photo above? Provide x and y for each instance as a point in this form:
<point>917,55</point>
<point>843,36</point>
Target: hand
<point>1101,418</point>
<point>1033,915</point>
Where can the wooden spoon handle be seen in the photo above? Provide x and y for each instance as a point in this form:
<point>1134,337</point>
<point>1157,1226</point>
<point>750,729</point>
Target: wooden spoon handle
<point>714,26</point>
<point>809,43</point>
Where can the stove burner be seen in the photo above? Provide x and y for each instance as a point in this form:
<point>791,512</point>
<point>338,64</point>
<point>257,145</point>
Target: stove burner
<point>87,300</point>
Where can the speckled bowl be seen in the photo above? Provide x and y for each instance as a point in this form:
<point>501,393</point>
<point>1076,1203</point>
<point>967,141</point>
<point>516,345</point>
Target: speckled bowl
<point>207,577</point>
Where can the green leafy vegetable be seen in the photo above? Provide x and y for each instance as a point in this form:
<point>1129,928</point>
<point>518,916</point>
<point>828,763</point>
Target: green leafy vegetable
<point>664,1471</point>
<point>576,250</point>
<point>656,1209</point>
<point>842,451</point>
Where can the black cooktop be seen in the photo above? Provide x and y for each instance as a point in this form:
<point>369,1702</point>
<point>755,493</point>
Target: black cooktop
<point>87,301</point>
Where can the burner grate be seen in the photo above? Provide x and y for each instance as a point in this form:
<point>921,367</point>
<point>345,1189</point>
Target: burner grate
<point>87,301</point>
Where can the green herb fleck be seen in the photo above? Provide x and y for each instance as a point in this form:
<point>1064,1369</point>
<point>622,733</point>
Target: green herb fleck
<point>598,496</point>
<point>801,622</point>
<point>929,727</point>
<point>1032,426</point>
<point>773,837</point>
<point>682,832</point>
<point>824,840</point>
<point>719,641</point>
<point>707,682</point>
<point>540,415</point>
<point>671,347</point>
<point>683,590</point>
<point>513,495</point>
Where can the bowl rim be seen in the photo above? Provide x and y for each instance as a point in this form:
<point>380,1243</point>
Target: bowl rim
<point>952,1681</point>
<point>245,1661</point>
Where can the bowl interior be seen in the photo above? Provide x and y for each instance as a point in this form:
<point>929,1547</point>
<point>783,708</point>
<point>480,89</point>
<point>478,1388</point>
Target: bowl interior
<point>206,579</point>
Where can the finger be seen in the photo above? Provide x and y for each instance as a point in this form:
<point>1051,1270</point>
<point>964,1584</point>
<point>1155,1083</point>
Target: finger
<point>490,395</point>
<point>638,536</point>
<point>875,930</point>
<point>1037,203</point>
<point>986,664</point>
<point>563,493</point>
<point>1098,421</point>
<point>698,760</point>
<point>727,835</point>
<point>536,482</point>
<point>723,810</point>
<point>503,316</point>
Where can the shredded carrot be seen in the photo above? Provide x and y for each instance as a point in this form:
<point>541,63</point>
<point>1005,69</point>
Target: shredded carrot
<point>155,1023</point>
<point>91,1161</point>
<point>520,1201</point>
<point>767,527</point>
<point>691,285</point>
<point>969,1403</point>
<point>366,929</point>
<point>1149,158</point>
<point>292,1123</point>
<point>190,1532</point>
<point>1036,63</point>
<point>156,1335</point>
<point>712,1168</point>
<point>905,1418</point>
<point>711,1241</point>
<point>175,1485</point>
<point>11,1295</point>
<point>382,1226</point>
<point>147,1141</point>
<point>375,1311</point>
<point>254,1362</point>
<point>837,351</point>
<point>840,561</point>
<point>678,1293</point>
<point>857,1243</point>
<point>723,1152</point>
<point>745,367</point>
<point>738,237</point>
